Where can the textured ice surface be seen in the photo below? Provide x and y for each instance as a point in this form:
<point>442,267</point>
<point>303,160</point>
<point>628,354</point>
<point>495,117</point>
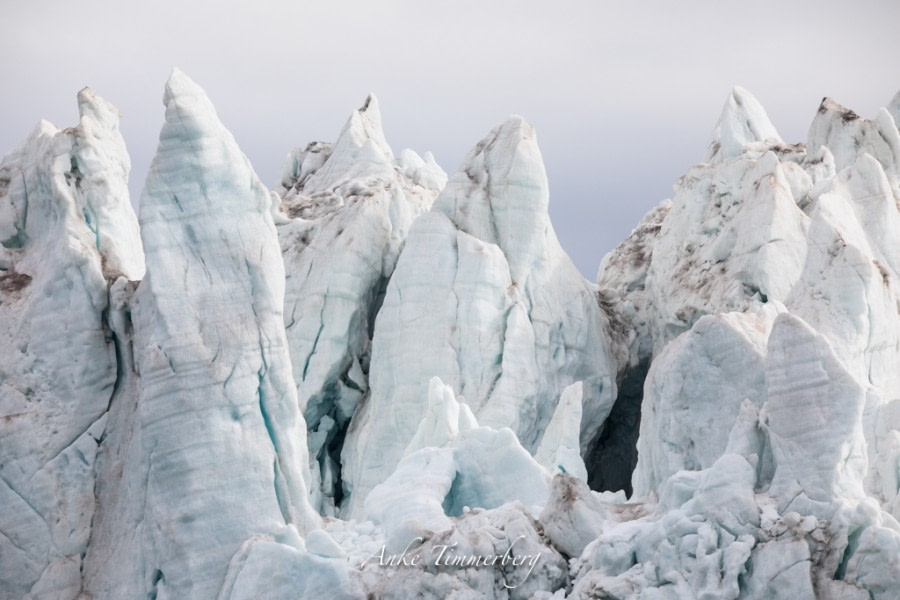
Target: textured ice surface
<point>743,123</point>
<point>450,466</point>
<point>66,224</point>
<point>685,420</point>
<point>347,209</point>
<point>218,447</point>
<point>560,447</point>
<point>484,298</point>
<point>784,249</point>
<point>374,341</point>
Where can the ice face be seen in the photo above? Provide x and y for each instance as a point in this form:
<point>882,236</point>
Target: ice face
<point>484,298</point>
<point>743,122</point>
<point>813,463</point>
<point>217,436</point>
<point>458,381</point>
<point>66,224</point>
<point>346,210</point>
<point>693,394</point>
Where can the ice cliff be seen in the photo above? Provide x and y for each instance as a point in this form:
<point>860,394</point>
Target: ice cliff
<point>376,380</point>
<point>67,231</point>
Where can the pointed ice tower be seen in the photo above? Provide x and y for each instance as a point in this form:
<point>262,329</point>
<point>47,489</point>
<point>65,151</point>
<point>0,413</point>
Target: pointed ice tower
<point>743,122</point>
<point>58,191</point>
<point>733,236</point>
<point>66,228</point>
<point>774,228</point>
<point>349,208</point>
<point>360,151</point>
<point>101,165</point>
<point>848,136</point>
<point>221,444</point>
<point>483,297</point>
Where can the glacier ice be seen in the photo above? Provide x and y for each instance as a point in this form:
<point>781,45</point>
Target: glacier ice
<point>743,123</point>
<point>345,210</point>
<point>378,381</point>
<point>560,445</point>
<point>684,422</point>
<point>484,298</point>
<point>67,227</point>
<point>781,254</point>
<point>216,401</point>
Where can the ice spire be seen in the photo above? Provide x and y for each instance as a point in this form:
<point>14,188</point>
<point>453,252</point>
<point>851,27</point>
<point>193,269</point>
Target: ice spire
<point>66,227</point>
<point>102,164</point>
<point>500,195</point>
<point>743,121</point>
<point>360,151</point>
<point>483,297</point>
<point>217,401</point>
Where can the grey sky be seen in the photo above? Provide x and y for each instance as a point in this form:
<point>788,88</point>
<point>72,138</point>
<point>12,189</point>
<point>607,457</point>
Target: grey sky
<point>624,97</point>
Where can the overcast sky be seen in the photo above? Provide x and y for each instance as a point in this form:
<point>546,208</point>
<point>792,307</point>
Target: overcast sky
<point>623,96</point>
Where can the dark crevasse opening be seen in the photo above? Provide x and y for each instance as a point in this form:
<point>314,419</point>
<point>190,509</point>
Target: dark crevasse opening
<point>378,294</point>
<point>333,448</point>
<point>612,457</point>
<point>453,506</point>
<point>341,397</point>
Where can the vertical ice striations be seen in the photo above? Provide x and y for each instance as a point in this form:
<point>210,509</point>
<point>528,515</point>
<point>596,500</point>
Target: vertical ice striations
<point>484,298</point>
<point>685,422</point>
<point>222,456</point>
<point>773,505</point>
<point>349,207</point>
<point>58,191</point>
<point>500,196</point>
<point>813,419</point>
<point>766,291</point>
<point>100,166</point>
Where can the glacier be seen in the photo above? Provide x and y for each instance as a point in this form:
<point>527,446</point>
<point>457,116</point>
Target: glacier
<point>375,380</point>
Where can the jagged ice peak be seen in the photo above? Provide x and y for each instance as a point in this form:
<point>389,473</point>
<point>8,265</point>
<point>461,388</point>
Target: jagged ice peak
<point>378,381</point>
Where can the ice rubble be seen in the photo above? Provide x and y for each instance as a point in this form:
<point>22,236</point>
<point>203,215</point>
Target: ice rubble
<point>339,388</point>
